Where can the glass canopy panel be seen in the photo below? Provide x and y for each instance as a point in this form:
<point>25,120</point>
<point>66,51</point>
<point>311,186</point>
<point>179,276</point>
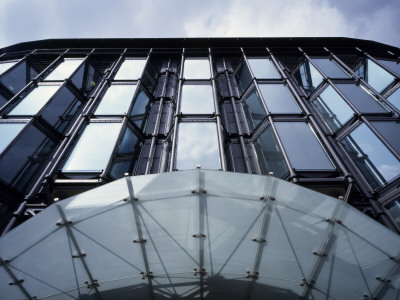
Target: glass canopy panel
<point>197,145</point>
<point>196,69</point>
<point>373,159</point>
<point>8,131</point>
<point>395,98</point>
<point>35,100</point>
<point>278,99</point>
<point>390,132</point>
<point>65,69</point>
<point>377,77</point>
<point>197,99</point>
<point>302,146</point>
<point>263,68</point>
<point>94,148</point>
<point>330,68</point>
<point>131,69</point>
<point>392,65</point>
<point>117,100</point>
<point>4,66</point>
<point>361,99</point>
<point>253,109</point>
<point>308,77</point>
<point>335,111</point>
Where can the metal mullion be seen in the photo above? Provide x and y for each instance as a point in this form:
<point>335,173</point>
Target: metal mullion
<point>15,279</point>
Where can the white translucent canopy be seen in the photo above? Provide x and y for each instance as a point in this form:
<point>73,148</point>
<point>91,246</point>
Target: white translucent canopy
<point>200,234</point>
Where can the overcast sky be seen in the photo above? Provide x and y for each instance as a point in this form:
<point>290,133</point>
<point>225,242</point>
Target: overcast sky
<point>27,20</point>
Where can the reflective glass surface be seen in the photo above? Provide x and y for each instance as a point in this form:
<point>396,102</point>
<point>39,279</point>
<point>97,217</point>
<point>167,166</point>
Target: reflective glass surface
<point>94,148</point>
<point>333,108</point>
<point>196,69</point>
<point>373,159</point>
<point>18,77</point>
<point>243,77</point>
<point>361,99</point>
<point>390,132</point>
<point>263,68</point>
<point>117,100</point>
<point>308,77</point>
<point>197,99</point>
<point>197,145</point>
<point>394,211</point>
<point>4,66</point>
<point>64,70</point>
<point>253,109</point>
<point>141,109</point>
<point>304,150</point>
<point>377,77</point>
<point>8,131</point>
<point>131,69</point>
<point>392,65</point>
<point>278,99</point>
<point>35,100</point>
<point>330,68</point>
<point>395,98</point>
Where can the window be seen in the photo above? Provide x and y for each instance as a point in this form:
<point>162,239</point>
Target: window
<point>253,109</point>
<point>131,69</point>
<point>308,77</point>
<point>377,77</point>
<point>278,99</point>
<point>4,66</point>
<point>392,65</point>
<point>197,99</point>
<point>390,132</point>
<point>141,110</point>
<point>18,77</point>
<point>196,69</point>
<point>395,98</point>
<point>263,68</point>
<point>330,68</point>
<point>117,100</point>
<point>8,132</point>
<point>65,69</point>
<point>394,211</point>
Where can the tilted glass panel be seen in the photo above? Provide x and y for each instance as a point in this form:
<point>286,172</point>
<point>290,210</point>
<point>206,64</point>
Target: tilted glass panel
<point>94,148</point>
<point>117,100</point>
<point>243,77</point>
<point>35,100</point>
<point>8,131</point>
<point>131,69</point>
<point>4,66</point>
<point>197,99</point>
<point>361,99</point>
<point>377,77</point>
<point>65,69</point>
<point>141,109</point>
<point>18,77</point>
<point>373,159</point>
<point>335,111</point>
<point>196,69</point>
<point>330,68</point>
<point>390,132</point>
<point>392,65</point>
<point>253,109</point>
<point>197,145</point>
<point>263,68</point>
<point>394,211</point>
<point>270,154</point>
<point>304,150</point>
<point>278,99</point>
<point>395,98</point>
<point>308,77</point>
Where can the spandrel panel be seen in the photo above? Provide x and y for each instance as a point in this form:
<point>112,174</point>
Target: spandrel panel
<point>253,109</point>
<point>8,131</point>
<point>4,66</point>
<point>395,98</point>
<point>197,99</point>
<point>335,111</point>
<point>302,146</point>
<point>197,145</point>
<point>330,68</point>
<point>94,148</point>
<point>35,100</point>
<point>263,68</point>
<point>376,77</point>
<point>130,69</point>
<point>373,159</point>
<point>196,69</point>
<point>65,69</point>
<point>308,77</point>
<point>117,100</point>
<point>278,99</point>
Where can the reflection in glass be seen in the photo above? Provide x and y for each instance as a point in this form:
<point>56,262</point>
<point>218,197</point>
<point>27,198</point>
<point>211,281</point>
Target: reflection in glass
<point>333,108</point>
<point>197,145</point>
<point>35,100</point>
<point>94,148</point>
<point>131,69</point>
<point>141,110</point>
<point>18,77</point>
<point>196,69</point>
<point>8,131</point>
<point>304,150</point>
<point>269,154</point>
<point>392,65</point>
<point>394,211</point>
<point>395,98</point>
<point>308,77</point>
<point>253,109</point>
<point>243,77</point>
<point>390,132</point>
<point>197,99</point>
<point>65,69</point>
<point>278,99</point>
<point>117,100</point>
<point>263,68</point>
<point>330,68</point>
<point>377,77</point>
<point>373,159</point>
<point>4,66</point>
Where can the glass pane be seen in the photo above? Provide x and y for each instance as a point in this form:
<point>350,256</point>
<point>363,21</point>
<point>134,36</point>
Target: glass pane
<point>395,98</point>
<point>392,65</point>
<point>253,109</point>
<point>278,99</point>
<point>94,148</point>
<point>361,99</point>
<point>330,68</point>
<point>197,99</point>
<point>243,77</point>
<point>141,109</point>
<point>373,159</point>
<point>8,131</point>
<point>197,145</point>
<point>65,69</point>
<point>394,211</point>
<point>4,66</point>
<point>390,132</point>
<point>302,146</point>
<point>308,77</point>
<point>196,69</point>
<point>117,100</point>
<point>377,77</point>
<point>16,79</point>
<point>263,68</point>
<point>35,100</point>
<point>333,108</point>
<point>131,69</point>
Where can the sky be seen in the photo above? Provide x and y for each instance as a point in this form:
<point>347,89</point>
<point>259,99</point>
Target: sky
<point>28,20</point>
